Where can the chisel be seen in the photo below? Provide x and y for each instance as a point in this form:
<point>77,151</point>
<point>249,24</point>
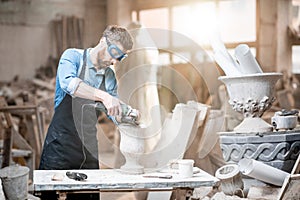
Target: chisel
<point>158,176</point>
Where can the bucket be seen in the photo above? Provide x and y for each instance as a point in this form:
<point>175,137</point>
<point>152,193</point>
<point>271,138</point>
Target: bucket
<point>15,182</point>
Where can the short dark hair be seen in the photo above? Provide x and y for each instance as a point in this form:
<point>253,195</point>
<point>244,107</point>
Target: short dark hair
<point>119,34</point>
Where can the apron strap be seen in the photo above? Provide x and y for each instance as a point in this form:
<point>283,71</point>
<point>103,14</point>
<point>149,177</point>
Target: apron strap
<point>83,68</point>
<point>82,73</point>
<point>102,86</point>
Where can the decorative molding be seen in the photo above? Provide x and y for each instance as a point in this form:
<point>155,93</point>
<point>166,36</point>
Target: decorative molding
<point>265,152</point>
<point>252,107</point>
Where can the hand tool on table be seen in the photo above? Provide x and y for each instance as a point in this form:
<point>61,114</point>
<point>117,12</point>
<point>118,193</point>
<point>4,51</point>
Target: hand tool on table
<point>76,176</point>
<point>158,176</point>
<point>287,112</point>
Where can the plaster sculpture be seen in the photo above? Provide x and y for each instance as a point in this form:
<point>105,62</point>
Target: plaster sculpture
<point>251,95</point>
<point>132,147</point>
<point>231,180</point>
<point>180,127</point>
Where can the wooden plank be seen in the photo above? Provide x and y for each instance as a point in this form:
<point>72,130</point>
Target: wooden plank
<point>43,84</point>
<point>291,185</point>
<point>58,37</point>
<point>7,137</point>
<point>267,192</point>
<point>144,5</point>
<point>75,31</point>
<point>70,33</point>
<point>64,33</point>
<point>32,138</point>
<point>7,146</point>
<point>80,32</point>
<point>35,137</point>
<point>12,138</point>
<point>296,168</point>
<point>290,189</point>
<point>18,110</point>
<point>40,118</point>
<point>20,153</point>
<point>293,191</point>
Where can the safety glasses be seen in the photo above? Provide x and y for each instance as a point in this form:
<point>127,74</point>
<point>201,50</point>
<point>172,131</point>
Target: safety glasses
<point>114,51</point>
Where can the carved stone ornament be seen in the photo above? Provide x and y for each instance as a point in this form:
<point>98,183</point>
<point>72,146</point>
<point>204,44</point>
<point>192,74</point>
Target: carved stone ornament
<point>251,95</point>
<point>251,107</point>
<point>278,149</point>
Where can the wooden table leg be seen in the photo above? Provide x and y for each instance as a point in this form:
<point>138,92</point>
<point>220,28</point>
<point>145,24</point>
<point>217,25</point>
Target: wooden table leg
<point>183,193</point>
<point>62,195</point>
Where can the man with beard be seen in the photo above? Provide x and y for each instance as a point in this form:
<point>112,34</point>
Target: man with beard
<point>83,78</point>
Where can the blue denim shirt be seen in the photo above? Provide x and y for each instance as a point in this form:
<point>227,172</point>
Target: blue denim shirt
<point>69,68</point>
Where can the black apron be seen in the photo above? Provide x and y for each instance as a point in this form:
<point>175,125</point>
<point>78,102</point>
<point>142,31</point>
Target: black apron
<point>71,141</point>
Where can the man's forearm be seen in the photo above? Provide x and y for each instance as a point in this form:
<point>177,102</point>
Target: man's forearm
<point>88,92</point>
<point>111,103</point>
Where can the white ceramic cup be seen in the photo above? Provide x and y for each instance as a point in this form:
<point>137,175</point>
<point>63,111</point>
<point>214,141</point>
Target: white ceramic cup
<point>185,167</point>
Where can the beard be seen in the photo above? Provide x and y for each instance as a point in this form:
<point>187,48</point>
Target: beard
<point>103,64</point>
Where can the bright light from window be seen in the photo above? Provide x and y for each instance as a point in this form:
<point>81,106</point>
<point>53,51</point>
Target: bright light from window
<point>296,59</point>
<point>237,20</point>
<point>134,16</point>
<point>155,18</point>
<point>195,21</point>
<point>233,21</point>
<point>164,59</point>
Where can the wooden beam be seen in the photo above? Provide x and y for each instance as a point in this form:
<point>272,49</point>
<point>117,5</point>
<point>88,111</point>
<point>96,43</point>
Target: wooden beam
<point>7,146</point>
<point>13,108</point>
<point>296,168</point>
<point>7,137</point>
<point>146,4</point>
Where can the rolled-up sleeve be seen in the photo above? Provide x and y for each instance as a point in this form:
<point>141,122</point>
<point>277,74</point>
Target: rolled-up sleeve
<point>68,69</point>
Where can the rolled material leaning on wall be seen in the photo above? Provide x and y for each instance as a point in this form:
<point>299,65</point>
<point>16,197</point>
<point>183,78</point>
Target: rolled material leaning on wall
<point>247,62</point>
<point>261,171</point>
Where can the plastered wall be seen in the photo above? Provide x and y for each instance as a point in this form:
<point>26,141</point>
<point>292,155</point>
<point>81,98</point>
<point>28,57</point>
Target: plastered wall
<point>26,37</point>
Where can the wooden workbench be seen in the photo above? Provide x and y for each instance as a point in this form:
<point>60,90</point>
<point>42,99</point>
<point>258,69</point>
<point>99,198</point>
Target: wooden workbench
<point>112,180</point>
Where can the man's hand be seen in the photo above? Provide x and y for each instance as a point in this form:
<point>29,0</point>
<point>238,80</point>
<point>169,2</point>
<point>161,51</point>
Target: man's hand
<point>129,115</point>
<point>113,105</point>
